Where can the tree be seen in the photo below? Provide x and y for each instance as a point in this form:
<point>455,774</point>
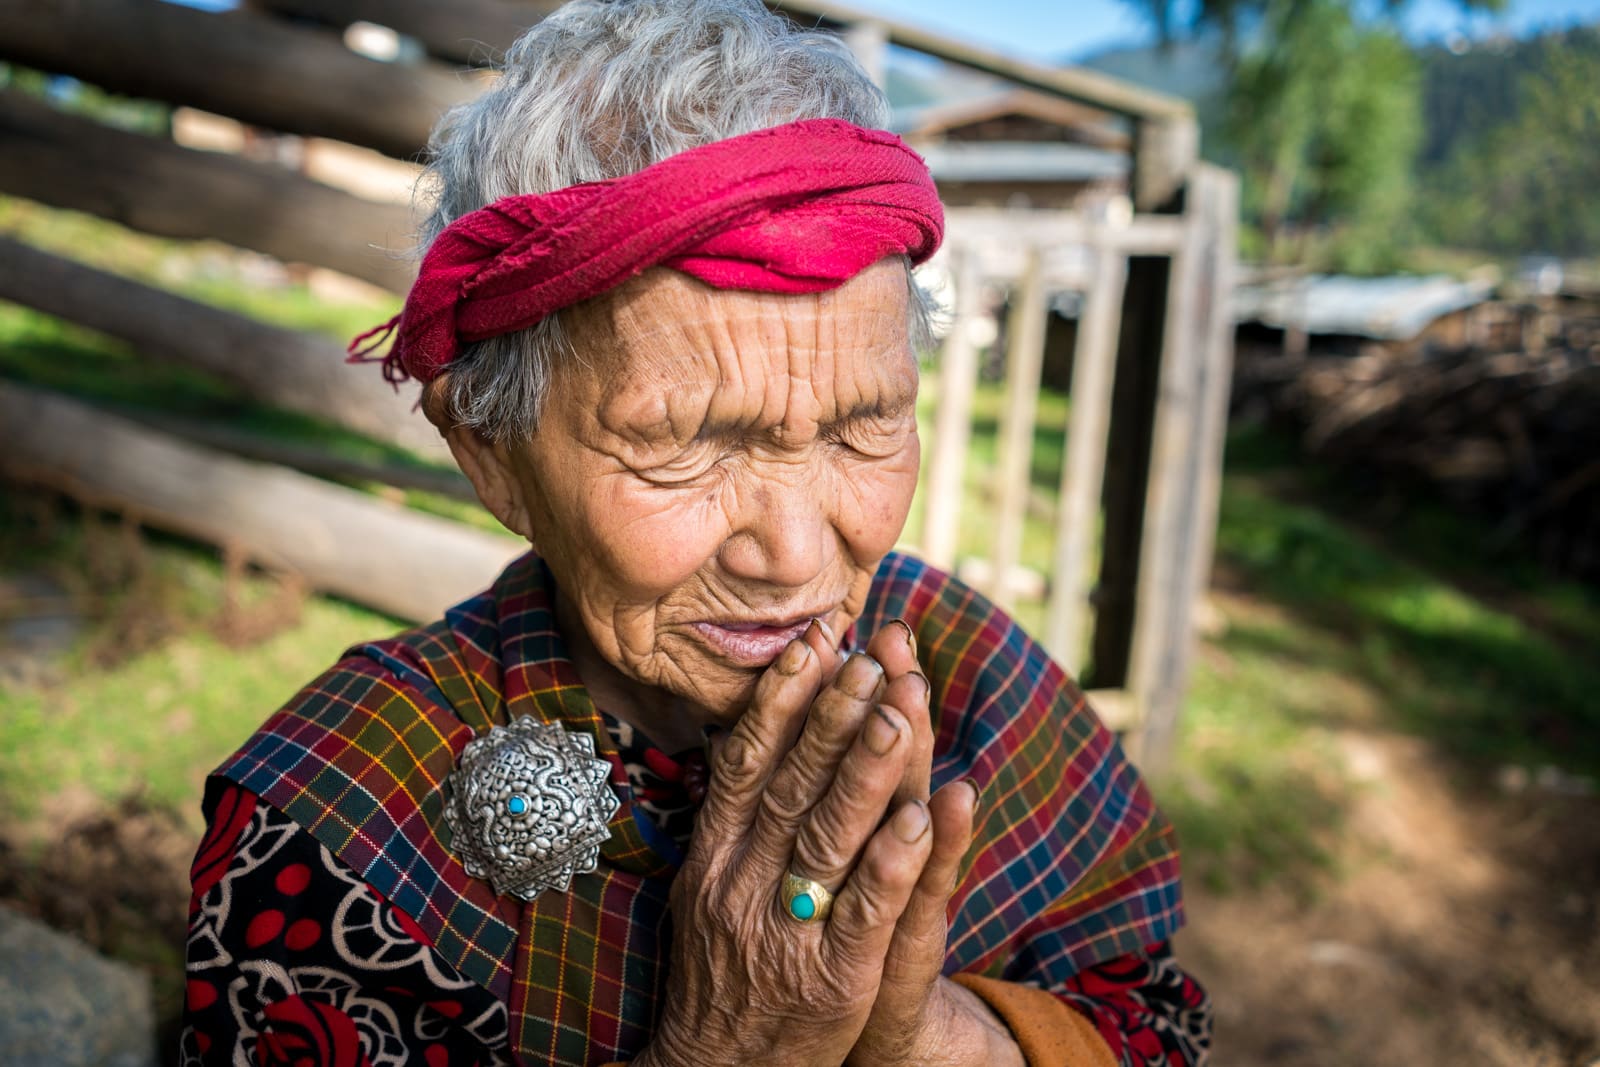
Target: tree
<point>1527,184</point>
<point>1323,106</point>
<point>1325,122</point>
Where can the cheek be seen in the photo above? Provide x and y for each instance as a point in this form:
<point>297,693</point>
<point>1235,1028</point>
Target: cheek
<point>648,541</point>
<point>879,497</point>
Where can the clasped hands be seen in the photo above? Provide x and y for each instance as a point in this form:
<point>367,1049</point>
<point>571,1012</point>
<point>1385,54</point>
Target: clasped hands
<point>826,775</point>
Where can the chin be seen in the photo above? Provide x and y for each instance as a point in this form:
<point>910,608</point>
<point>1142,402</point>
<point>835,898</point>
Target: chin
<point>725,703</point>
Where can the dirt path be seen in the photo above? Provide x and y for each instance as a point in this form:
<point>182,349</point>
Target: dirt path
<point>1464,929</point>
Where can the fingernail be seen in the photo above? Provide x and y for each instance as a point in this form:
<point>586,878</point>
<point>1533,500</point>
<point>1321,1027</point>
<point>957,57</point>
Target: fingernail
<point>977,792</point>
<point>881,732</point>
<point>793,658</point>
<point>927,686</point>
<point>827,631</point>
<point>911,638</point>
<point>911,822</point>
<point>860,676</point>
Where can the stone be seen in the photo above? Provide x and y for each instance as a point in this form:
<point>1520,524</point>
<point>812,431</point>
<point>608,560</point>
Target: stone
<point>64,1005</point>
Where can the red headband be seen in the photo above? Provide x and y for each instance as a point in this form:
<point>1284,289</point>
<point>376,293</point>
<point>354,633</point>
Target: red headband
<point>799,208</point>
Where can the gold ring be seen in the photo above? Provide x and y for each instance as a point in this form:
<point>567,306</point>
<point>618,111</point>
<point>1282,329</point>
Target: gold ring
<point>804,900</point>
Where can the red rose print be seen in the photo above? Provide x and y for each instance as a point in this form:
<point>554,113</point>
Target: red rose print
<point>308,1033</point>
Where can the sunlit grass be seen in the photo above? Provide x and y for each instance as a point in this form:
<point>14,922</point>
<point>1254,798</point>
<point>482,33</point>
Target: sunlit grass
<point>151,695</point>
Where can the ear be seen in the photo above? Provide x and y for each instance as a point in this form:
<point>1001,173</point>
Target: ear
<point>486,463</point>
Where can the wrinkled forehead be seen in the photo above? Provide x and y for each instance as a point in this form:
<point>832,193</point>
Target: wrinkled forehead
<point>665,329</point>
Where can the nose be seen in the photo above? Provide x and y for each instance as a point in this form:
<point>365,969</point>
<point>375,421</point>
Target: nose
<point>782,534</point>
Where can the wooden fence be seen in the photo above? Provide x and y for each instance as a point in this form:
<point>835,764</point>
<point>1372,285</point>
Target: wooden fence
<point>1153,350</point>
<point>1138,607</point>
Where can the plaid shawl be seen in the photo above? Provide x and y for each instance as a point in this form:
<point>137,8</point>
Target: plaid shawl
<point>1072,865</point>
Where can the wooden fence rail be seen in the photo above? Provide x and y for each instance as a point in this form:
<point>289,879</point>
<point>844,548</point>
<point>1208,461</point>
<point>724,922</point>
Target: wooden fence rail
<point>1083,465</point>
<point>1024,358</point>
<point>251,67</point>
<point>474,32</point>
<point>399,561</point>
<point>1178,371</point>
<point>157,187</point>
<point>297,371</point>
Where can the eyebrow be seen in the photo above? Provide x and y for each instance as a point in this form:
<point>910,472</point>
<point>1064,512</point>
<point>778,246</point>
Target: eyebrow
<point>862,411</point>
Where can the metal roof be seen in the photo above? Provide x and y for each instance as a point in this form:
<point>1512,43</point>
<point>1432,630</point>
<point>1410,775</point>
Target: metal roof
<point>1022,161</point>
<point>1385,309</point>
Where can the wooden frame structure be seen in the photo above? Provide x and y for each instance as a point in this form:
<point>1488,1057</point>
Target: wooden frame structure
<point>1153,354</point>
<point>1183,411</point>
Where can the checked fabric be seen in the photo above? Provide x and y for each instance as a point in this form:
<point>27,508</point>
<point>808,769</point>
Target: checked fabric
<point>1073,866</point>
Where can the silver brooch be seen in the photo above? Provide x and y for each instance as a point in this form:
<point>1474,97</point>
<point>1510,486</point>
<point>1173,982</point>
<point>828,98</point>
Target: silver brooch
<point>529,807</point>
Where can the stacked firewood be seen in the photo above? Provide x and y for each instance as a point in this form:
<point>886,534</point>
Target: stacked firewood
<point>1513,435</point>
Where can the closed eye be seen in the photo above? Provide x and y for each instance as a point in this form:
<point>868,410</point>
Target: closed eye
<point>687,468</point>
<point>875,436</point>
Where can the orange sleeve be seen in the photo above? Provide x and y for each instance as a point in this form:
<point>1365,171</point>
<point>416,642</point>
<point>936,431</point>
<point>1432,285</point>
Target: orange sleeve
<point>1049,1032</point>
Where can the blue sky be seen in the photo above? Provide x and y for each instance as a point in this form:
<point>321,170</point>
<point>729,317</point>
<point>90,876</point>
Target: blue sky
<point>1049,29</point>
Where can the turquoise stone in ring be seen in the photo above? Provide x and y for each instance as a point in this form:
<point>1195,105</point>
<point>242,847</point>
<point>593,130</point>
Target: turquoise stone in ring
<point>803,900</point>
<point>517,805</point>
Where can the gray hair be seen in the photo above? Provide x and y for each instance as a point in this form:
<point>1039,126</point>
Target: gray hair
<point>603,88</point>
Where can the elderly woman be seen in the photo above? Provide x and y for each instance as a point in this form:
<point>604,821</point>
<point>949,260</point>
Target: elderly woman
<point>712,776</point>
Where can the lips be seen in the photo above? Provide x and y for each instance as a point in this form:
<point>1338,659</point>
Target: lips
<point>750,644</point>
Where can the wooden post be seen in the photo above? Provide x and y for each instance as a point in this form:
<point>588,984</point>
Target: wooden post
<point>399,561</point>
<point>868,40</point>
<point>1024,360</point>
<point>1083,466</point>
<point>952,426</point>
<point>1139,343</point>
<point>1166,148</point>
<point>152,185</point>
<point>314,459</point>
<point>1186,461</point>
<point>298,371</point>
<point>253,68</point>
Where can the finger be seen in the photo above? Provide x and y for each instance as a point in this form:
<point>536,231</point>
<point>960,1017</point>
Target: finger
<point>743,760</point>
<point>838,828</point>
<point>826,646</point>
<point>875,895</point>
<point>916,952</point>
<point>809,768</point>
<point>895,647</point>
<point>909,695</point>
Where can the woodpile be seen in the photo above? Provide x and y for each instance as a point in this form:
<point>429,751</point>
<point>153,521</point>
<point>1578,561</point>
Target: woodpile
<point>1514,436</point>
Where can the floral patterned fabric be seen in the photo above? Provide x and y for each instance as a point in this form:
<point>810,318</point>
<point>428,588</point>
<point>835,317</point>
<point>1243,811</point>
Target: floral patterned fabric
<point>293,960</point>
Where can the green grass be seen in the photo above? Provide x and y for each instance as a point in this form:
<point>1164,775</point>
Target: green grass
<point>1257,793</point>
<point>152,694</point>
<point>1487,661</point>
<point>1336,627</point>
